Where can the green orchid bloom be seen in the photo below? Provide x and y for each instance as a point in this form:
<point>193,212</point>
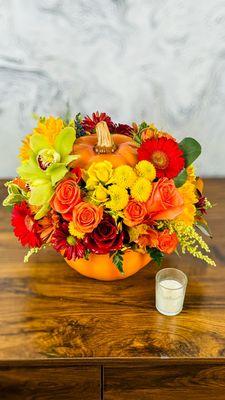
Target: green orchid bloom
<point>46,166</point>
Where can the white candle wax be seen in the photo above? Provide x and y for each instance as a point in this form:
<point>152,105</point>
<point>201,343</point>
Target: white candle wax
<point>169,296</point>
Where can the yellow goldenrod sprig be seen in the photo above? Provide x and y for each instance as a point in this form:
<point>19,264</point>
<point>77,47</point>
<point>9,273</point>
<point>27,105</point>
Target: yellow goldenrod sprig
<point>190,241</point>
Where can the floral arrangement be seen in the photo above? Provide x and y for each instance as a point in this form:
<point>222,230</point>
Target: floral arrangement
<point>138,192</point>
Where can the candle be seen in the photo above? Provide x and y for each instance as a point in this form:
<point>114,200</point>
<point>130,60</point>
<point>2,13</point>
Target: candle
<point>170,291</point>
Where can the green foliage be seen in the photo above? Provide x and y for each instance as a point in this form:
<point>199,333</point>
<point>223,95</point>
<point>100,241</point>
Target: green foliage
<point>79,128</point>
<point>204,228</point>
<point>181,178</point>
<point>155,254</point>
<point>142,126</point>
<point>191,149</point>
<point>137,136</point>
<point>32,251</point>
<point>15,194</point>
<point>117,258</point>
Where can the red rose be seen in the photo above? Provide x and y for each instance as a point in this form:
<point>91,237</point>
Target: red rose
<point>105,237</point>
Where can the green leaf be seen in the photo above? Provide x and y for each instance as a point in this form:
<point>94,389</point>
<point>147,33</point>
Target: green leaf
<point>191,149</point>
<point>204,229</point>
<point>39,142</point>
<point>64,141</point>
<point>142,126</point>
<point>137,139</point>
<point>118,261</point>
<point>56,172</point>
<point>41,194</point>
<point>181,178</point>
<point>155,254</point>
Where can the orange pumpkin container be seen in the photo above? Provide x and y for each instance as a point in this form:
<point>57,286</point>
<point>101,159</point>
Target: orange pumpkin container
<point>119,150</point>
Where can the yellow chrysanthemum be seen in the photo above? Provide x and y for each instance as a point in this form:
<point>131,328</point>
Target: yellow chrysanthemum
<point>187,191</point>
<point>91,183</point>
<point>146,170</point>
<point>100,194</point>
<point>100,171</point>
<point>124,176</point>
<point>24,152</point>
<point>50,128</point>
<point>141,190</point>
<point>118,198</point>
<point>74,232</point>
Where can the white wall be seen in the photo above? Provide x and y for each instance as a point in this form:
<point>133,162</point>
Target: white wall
<point>159,60</point>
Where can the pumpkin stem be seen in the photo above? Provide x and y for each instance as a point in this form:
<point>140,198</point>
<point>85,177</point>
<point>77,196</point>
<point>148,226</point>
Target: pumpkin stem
<point>105,143</point>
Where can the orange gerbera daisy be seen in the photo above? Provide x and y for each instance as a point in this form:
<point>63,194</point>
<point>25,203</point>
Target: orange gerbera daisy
<point>50,128</point>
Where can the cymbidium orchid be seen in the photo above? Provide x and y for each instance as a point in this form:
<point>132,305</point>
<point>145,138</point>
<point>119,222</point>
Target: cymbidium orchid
<point>46,166</point>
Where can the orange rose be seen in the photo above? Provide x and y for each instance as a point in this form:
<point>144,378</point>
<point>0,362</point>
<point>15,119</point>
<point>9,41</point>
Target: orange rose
<point>86,216</point>
<point>134,213</point>
<point>165,201</point>
<point>167,242</point>
<point>66,196</point>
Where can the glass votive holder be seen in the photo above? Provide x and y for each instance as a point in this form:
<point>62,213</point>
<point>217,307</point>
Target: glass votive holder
<point>170,291</point>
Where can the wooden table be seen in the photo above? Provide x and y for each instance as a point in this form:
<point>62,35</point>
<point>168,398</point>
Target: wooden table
<point>63,336</point>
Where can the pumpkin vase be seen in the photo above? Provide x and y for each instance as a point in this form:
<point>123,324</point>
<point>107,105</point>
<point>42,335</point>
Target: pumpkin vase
<point>102,268</point>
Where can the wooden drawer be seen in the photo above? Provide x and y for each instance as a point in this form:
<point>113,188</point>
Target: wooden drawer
<point>47,383</point>
<point>167,382</point>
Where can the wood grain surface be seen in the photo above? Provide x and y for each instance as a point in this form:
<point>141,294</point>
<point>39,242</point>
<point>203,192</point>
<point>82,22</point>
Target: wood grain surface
<point>166,381</point>
<point>49,311</point>
<point>71,383</point>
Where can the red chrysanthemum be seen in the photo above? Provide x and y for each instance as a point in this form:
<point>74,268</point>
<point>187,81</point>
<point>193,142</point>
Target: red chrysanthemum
<point>66,244</point>
<point>89,123</point>
<point>164,154</point>
<point>25,226</point>
<point>123,129</point>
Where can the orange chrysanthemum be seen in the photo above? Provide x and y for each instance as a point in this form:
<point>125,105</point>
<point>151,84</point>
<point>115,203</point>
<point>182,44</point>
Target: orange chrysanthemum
<point>24,152</point>
<point>48,225</point>
<point>50,128</point>
<point>188,193</point>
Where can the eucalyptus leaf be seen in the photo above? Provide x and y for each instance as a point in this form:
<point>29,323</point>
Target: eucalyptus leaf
<point>191,149</point>
<point>181,178</point>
